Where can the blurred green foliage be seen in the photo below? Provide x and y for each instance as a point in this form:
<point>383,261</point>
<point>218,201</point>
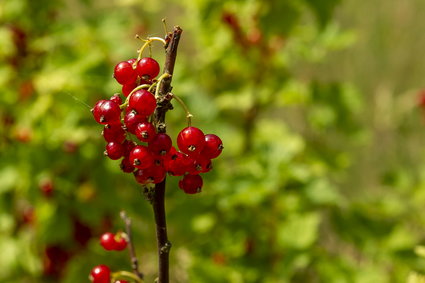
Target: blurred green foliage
<point>321,179</point>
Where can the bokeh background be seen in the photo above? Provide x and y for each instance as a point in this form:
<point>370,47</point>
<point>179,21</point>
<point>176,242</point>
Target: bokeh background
<point>318,103</point>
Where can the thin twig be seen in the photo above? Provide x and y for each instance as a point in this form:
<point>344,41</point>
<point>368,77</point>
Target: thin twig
<point>132,251</point>
<point>158,201</point>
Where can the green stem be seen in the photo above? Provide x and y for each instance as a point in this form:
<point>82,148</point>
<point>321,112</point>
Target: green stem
<point>188,114</point>
<point>119,274</point>
<point>149,40</point>
<point>160,79</point>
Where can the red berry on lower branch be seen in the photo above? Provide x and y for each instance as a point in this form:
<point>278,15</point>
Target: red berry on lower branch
<point>114,133</point>
<point>132,119</point>
<point>191,184</point>
<point>126,165</point>
<point>100,274</point>
<point>107,241</point>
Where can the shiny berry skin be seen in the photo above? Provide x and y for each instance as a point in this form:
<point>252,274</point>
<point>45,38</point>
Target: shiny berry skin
<point>100,274</point>
<point>140,157</point>
<point>121,281</point>
<point>120,243</point>
<point>161,144</point>
<point>127,88</point>
<point>132,119</point>
<point>124,73</point>
<point>113,133</point>
<point>107,112</point>
<point>131,61</point>
<point>107,240</point>
<point>145,132</point>
<point>191,184</point>
<point>126,165</point>
<point>213,146</point>
<point>114,150</point>
<point>147,68</point>
<point>191,141</point>
<point>143,102</point>
<point>116,98</point>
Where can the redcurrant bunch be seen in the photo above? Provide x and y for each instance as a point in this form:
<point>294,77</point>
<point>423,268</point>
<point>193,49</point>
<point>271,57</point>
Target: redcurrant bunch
<point>132,137</point>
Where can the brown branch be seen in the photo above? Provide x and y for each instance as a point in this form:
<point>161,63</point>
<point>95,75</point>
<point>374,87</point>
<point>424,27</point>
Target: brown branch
<point>158,200</point>
<point>132,251</point>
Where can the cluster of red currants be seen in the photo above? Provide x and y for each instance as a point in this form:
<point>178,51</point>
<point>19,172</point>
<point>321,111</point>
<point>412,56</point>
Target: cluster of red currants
<point>153,156</point>
<point>110,242</point>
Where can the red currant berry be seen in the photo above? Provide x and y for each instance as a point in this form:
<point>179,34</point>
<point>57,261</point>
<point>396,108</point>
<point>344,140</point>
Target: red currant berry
<point>121,281</point>
<point>191,141</point>
<point>161,144</point>
<point>143,102</point>
<point>145,132</point>
<point>191,184</point>
<point>100,274</point>
<point>128,147</point>
<point>116,98</point>
<point>124,73</point>
<point>147,68</point>
<point>213,146</point>
<point>107,240</point>
<point>178,164</point>
<point>46,186</point>
<point>126,165</point>
<point>120,243</point>
<point>201,164</point>
<point>141,158</point>
<point>131,120</point>
<point>153,174</point>
<point>127,88</point>
<point>107,112</point>
<point>113,133</point>
<point>114,150</point>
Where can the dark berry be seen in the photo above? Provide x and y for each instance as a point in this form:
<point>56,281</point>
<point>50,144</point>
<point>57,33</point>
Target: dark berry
<point>143,102</point>
<point>124,73</point>
<point>113,133</point>
<point>145,132</point>
<point>100,274</point>
<point>213,146</point>
<point>127,88</point>
<point>191,184</point>
<point>116,98</point>
<point>126,165</point>
<point>147,68</point>
<point>114,150</point>
<point>141,158</point>
<point>107,112</point>
<point>107,240</point>
<point>128,147</point>
<point>161,144</point>
<point>191,141</point>
<point>46,187</point>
